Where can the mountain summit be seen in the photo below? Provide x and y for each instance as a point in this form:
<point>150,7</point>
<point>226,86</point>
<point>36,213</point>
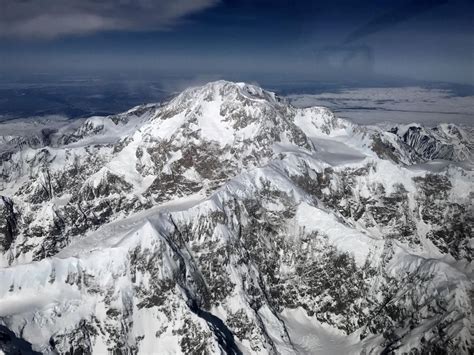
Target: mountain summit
<point>228,221</point>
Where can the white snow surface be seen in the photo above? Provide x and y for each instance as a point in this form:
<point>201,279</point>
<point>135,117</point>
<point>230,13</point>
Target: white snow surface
<point>34,293</point>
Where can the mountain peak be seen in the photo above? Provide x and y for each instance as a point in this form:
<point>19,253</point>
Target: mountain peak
<point>225,91</point>
<point>227,113</point>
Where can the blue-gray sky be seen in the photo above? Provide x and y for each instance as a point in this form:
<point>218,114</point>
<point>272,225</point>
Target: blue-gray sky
<point>430,40</point>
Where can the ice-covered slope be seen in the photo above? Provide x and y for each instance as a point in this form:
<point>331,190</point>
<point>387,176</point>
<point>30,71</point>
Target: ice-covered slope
<point>227,220</point>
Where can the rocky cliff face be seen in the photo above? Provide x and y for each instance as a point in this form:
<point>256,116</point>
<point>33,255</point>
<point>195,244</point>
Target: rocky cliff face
<point>228,221</point>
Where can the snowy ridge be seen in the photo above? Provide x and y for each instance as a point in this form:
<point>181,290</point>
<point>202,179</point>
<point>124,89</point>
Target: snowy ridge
<point>229,221</point>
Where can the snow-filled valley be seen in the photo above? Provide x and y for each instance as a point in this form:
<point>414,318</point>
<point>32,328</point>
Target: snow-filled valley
<point>227,221</point>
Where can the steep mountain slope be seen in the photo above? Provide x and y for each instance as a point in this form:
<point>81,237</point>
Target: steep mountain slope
<point>228,221</point>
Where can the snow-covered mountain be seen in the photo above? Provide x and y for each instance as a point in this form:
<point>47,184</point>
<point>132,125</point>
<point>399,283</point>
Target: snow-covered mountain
<point>229,221</point>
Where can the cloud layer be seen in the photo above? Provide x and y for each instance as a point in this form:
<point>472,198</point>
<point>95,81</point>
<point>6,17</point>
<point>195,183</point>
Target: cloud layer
<point>395,105</point>
<point>53,18</point>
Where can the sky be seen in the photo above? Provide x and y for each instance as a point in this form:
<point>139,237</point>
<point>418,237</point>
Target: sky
<point>338,40</point>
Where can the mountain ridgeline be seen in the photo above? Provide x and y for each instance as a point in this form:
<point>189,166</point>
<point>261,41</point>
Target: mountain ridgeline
<point>228,221</point>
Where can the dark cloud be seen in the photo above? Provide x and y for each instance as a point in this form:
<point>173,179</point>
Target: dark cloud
<point>53,18</point>
<point>393,17</point>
